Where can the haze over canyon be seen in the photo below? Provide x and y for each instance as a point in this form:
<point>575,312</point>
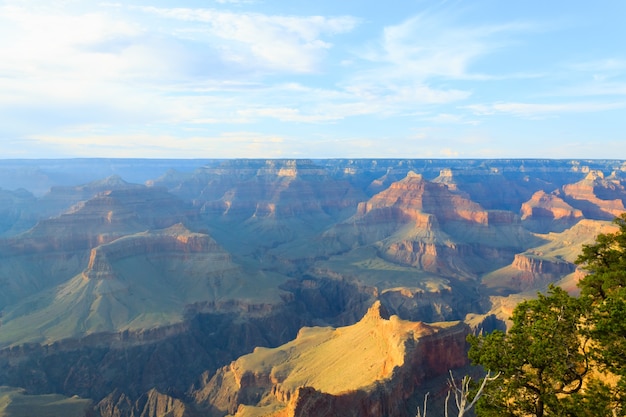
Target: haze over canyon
<point>188,288</point>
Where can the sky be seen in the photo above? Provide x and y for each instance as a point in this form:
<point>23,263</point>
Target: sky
<point>313,79</point>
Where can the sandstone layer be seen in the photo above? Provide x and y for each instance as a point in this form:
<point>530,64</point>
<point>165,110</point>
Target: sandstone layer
<point>368,369</point>
<point>425,225</point>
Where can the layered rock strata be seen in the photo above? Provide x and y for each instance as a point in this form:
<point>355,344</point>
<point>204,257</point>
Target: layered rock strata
<point>427,226</point>
<point>368,369</point>
<point>598,197</point>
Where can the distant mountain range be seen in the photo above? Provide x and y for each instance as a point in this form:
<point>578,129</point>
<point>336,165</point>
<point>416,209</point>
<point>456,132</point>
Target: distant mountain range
<point>274,287</point>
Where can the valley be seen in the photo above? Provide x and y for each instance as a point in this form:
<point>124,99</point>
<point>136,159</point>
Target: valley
<point>275,288</point>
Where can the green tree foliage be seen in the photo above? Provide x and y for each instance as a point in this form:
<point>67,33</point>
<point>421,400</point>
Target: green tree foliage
<point>596,400</point>
<point>603,292</point>
<point>542,359</point>
<point>545,358</point>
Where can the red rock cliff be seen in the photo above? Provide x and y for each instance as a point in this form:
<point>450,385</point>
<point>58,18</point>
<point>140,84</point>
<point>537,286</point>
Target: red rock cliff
<point>367,369</point>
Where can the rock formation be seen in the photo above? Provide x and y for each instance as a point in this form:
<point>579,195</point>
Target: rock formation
<point>16,211</point>
<point>367,369</point>
<point>598,197</point>
<point>151,404</point>
<point>534,269</point>
<point>425,225</point>
<point>15,402</point>
<point>134,282</point>
<point>107,216</point>
<point>548,212</point>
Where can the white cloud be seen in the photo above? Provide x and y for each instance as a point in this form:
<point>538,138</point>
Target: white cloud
<point>433,44</point>
<point>242,144</point>
<point>38,43</point>
<point>589,89</point>
<point>235,1</point>
<point>610,65</point>
<point>448,118</point>
<point>412,64</point>
<point>283,43</point>
<point>539,110</point>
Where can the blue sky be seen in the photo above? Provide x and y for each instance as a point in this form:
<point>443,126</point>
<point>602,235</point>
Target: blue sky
<point>313,79</point>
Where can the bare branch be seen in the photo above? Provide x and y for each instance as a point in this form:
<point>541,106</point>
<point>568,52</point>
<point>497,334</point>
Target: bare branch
<point>419,413</point>
<point>461,395</point>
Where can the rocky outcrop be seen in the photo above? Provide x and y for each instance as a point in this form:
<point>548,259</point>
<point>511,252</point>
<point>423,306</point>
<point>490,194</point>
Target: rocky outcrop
<point>144,280</point>
<point>267,188</point>
<point>168,358</point>
<point>16,211</point>
<point>446,258</point>
<point>367,369</point>
<point>427,226</point>
<point>173,240</point>
<point>57,249</point>
<point>493,186</point>
<point>532,271</point>
<point>414,194</point>
<point>598,197</point>
<point>550,206</point>
<point>537,265</point>
<point>59,199</point>
<point>271,202</point>
<point>551,262</point>
<point>151,404</point>
<point>171,358</point>
<point>102,219</point>
<point>548,212</point>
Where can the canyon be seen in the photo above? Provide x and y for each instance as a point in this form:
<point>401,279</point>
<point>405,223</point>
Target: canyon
<point>274,287</point>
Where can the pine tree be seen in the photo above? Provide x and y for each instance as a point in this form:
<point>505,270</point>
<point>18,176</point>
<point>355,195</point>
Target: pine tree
<point>542,359</point>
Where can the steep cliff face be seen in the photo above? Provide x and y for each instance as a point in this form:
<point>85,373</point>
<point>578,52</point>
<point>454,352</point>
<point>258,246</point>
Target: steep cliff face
<point>427,226</point>
<point>414,194</point>
<point>598,197</point>
<point>60,199</point>
<point>175,241</point>
<point>536,265</point>
<point>272,202</point>
<point>137,281</point>
<point>367,369</point>
<point>548,212</point>
<point>171,358</point>
<point>102,219</point>
<point>151,404</point>
<point>57,249</point>
<point>550,262</point>
<point>493,187</point>
<point>265,188</point>
<point>168,358</point>
<point>536,271</point>
<point>16,211</point>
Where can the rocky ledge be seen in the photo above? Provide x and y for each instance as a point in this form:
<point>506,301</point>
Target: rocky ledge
<point>370,368</point>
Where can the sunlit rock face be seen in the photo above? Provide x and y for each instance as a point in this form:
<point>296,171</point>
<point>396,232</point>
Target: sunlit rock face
<point>598,197</point>
<point>426,225</point>
<point>271,202</point>
<point>549,212</point>
<point>151,404</point>
<point>369,368</point>
<point>104,218</point>
<point>265,188</point>
<point>57,248</point>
